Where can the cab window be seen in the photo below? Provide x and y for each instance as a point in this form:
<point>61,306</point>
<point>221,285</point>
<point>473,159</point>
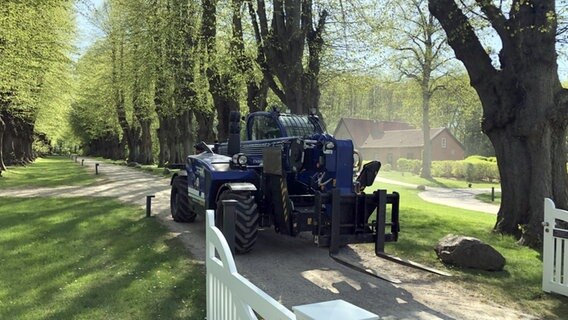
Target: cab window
<point>264,128</point>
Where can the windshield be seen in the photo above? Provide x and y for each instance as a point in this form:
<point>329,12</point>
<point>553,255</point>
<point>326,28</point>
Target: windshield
<point>299,125</point>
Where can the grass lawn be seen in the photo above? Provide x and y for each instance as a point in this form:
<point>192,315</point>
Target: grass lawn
<point>408,177</point>
<point>423,224</point>
<point>486,197</point>
<point>83,258</point>
<point>46,172</point>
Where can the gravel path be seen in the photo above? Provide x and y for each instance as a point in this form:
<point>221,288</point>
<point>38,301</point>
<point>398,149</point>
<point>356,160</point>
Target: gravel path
<point>293,270</point>
<point>460,198</point>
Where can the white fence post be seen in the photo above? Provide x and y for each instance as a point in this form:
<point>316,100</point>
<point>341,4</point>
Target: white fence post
<point>555,250</point>
<point>230,296</point>
<point>227,290</point>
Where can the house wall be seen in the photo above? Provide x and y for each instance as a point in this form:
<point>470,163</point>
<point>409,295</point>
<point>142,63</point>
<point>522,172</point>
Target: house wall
<point>391,155</point>
<point>452,150</point>
<point>342,133</point>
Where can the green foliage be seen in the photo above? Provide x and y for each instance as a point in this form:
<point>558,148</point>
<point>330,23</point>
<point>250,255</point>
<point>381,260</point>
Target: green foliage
<point>359,96</point>
<point>93,115</point>
<point>442,168</point>
<point>409,165</point>
<point>436,181</point>
<point>40,148</point>
<point>34,62</point>
<point>472,169</point>
<point>84,259</point>
<point>46,172</point>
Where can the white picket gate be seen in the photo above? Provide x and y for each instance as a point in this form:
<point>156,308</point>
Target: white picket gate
<point>230,296</point>
<point>555,250</point>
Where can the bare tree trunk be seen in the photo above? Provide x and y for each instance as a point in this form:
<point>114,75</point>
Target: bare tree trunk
<point>223,92</point>
<point>205,126</point>
<point>2,129</point>
<point>145,155</point>
<point>427,151</point>
<point>186,134</point>
<point>256,95</point>
<point>282,49</point>
<point>525,108</point>
<point>163,142</point>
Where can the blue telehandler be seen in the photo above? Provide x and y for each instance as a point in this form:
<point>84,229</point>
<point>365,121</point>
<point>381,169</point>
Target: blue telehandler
<point>284,171</point>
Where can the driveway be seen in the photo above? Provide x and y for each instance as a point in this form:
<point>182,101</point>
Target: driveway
<point>458,198</point>
<point>293,270</point>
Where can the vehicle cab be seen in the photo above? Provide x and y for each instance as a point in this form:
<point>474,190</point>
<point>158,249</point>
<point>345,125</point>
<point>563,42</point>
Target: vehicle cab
<point>267,125</point>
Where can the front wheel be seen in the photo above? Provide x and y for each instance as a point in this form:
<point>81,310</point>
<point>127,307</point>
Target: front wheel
<point>179,201</point>
<point>246,222</point>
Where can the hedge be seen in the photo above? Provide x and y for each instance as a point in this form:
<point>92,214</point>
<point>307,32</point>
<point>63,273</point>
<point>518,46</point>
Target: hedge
<point>409,165</point>
<point>474,168</point>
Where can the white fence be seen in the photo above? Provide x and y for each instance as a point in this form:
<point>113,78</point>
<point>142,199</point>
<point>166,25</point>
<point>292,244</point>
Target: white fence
<point>555,251</point>
<point>231,296</point>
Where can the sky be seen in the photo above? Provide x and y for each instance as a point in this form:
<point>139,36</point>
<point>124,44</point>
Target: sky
<point>87,33</point>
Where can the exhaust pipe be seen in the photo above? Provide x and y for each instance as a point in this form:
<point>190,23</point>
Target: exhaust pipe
<point>234,143</point>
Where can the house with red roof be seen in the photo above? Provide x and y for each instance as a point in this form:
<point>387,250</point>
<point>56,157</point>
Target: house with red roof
<point>387,141</point>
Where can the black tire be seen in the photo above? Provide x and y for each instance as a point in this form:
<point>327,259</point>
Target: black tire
<point>246,225</point>
<point>179,201</point>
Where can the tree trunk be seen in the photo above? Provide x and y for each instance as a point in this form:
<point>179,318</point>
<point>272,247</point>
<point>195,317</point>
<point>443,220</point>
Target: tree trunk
<point>2,129</point>
<point>163,142</point>
<point>427,151</point>
<point>186,134</point>
<point>282,51</point>
<point>224,94</point>
<point>531,169</point>
<point>525,109</point>
<point>145,143</point>
<point>256,95</point>
<point>205,126</point>
<point>224,104</point>
<point>8,145</point>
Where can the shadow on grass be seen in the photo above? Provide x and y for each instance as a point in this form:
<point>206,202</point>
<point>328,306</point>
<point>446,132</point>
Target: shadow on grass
<point>46,172</point>
<point>85,258</point>
<point>438,183</point>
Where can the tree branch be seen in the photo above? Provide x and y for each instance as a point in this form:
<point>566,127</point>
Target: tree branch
<point>495,17</point>
<point>561,111</point>
<point>463,40</point>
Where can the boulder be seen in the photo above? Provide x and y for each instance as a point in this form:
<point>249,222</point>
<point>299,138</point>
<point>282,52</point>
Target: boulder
<point>469,252</point>
<point>421,187</point>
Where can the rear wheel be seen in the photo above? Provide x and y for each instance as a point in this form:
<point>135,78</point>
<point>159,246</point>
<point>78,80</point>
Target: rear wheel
<point>179,201</point>
<point>246,224</point>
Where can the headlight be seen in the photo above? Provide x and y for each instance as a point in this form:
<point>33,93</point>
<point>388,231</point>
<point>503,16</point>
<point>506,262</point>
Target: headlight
<point>330,145</point>
<point>242,160</point>
<point>239,159</point>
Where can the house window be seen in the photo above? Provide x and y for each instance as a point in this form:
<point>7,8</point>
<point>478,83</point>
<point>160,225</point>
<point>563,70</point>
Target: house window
<point>444,143</point>
<point>410,155</point>
<point>389,158</point>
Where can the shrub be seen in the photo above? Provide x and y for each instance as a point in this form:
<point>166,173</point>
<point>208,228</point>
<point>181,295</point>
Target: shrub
<point>409,165</point>
<point>474,168</point>
<point>386,167</point>
<point>41,148</point>
<point>459,169</point>
<point>442,168</point>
